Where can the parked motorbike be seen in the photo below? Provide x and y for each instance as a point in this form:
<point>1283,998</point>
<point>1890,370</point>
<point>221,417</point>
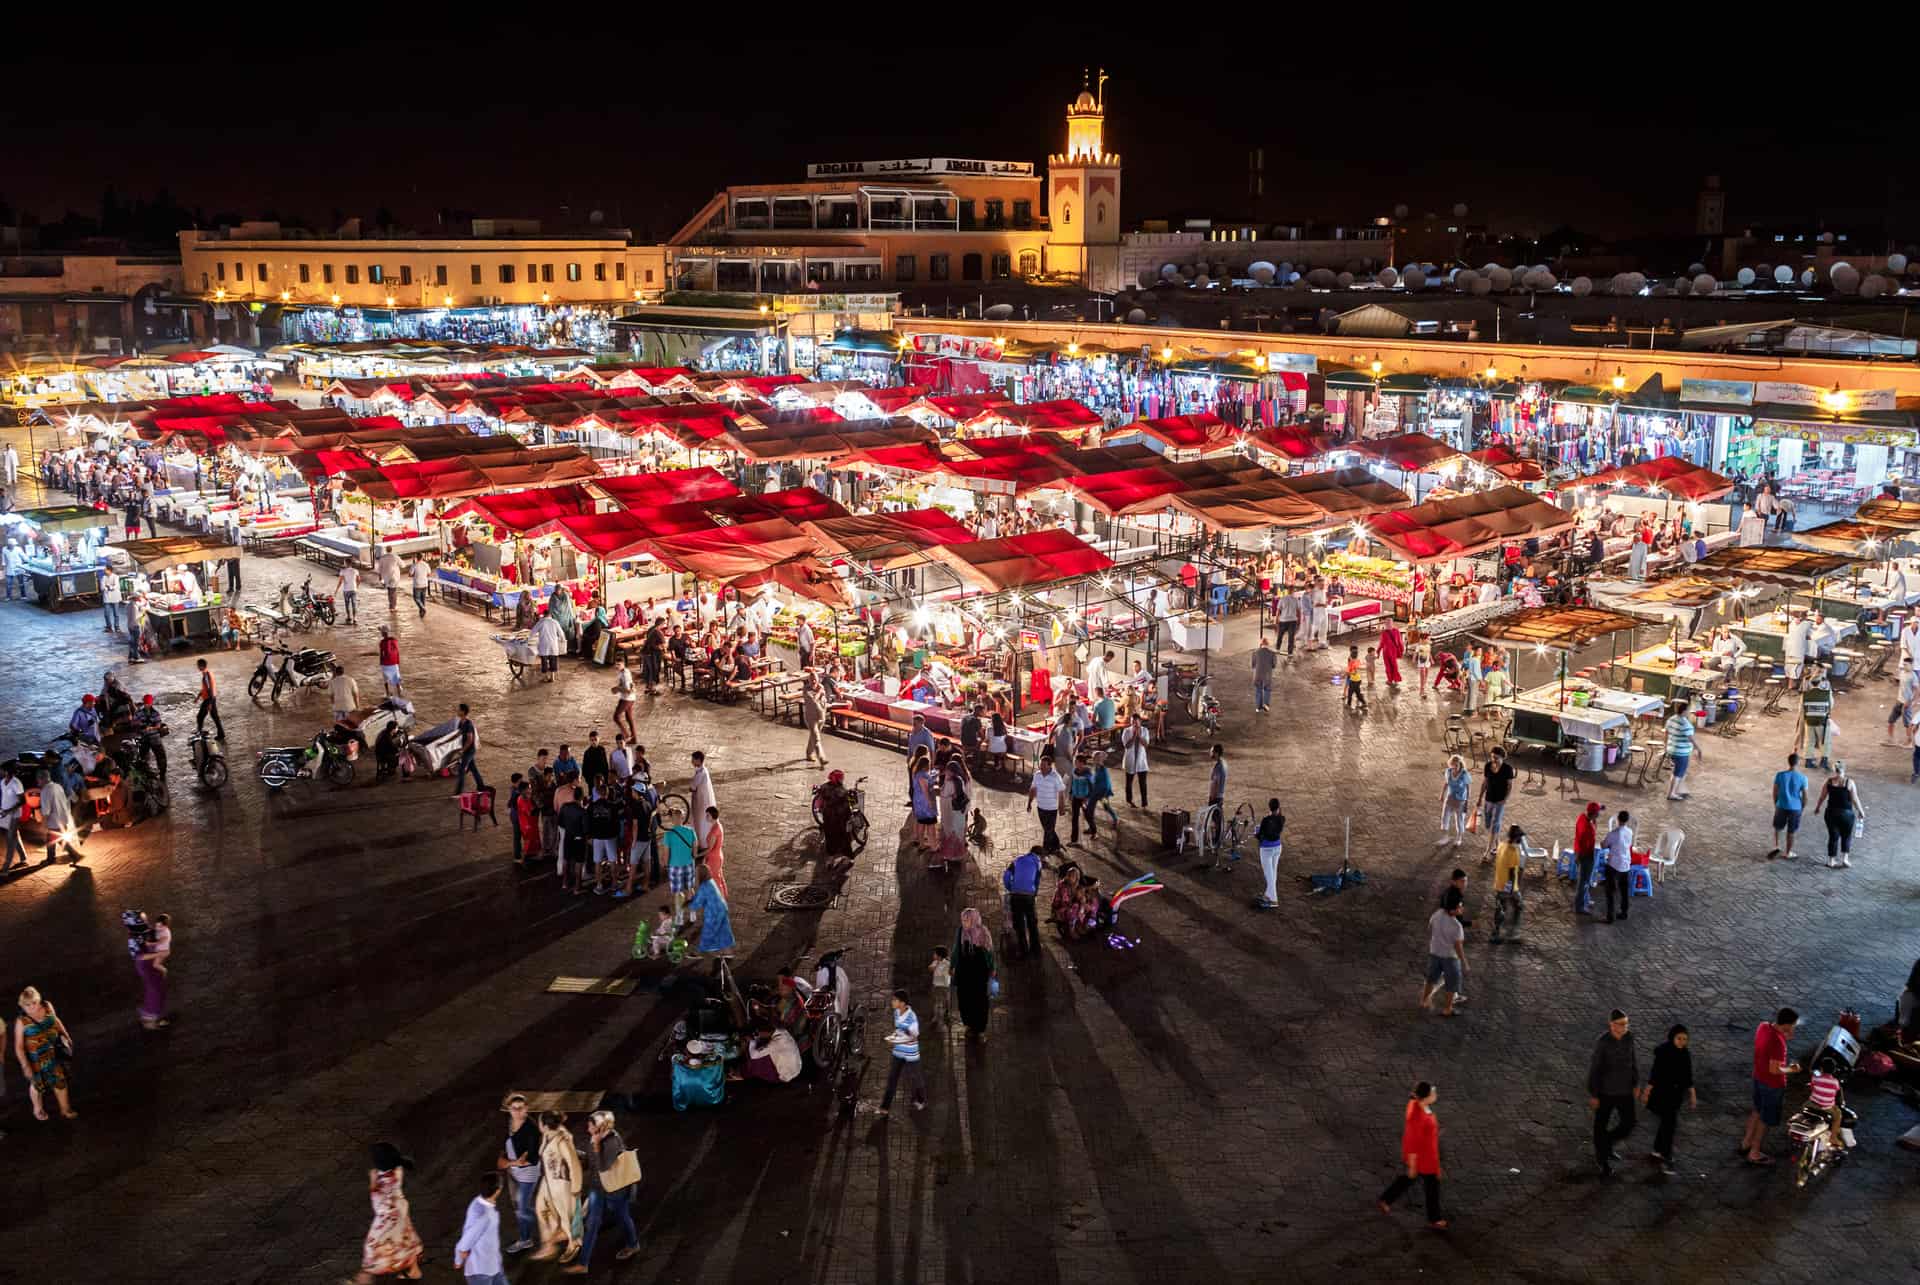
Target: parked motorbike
<point>1202,707</point>
<point>322,757</point>
<point>1810,1132</point>
<point>308,667</point>
<point>209,764</point>
<point>320,604</point>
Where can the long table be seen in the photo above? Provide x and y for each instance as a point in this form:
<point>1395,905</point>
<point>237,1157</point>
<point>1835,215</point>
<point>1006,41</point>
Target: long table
<point>1538,714</point>
<point>1770,640</point>
<point>1658,675</point>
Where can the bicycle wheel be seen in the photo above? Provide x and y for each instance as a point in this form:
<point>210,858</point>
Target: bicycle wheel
<point>156,792</point>
<point>256,685</point>
<point>829,1040</point>
<point>819,823</point>
<point>857,833</point>
<point>674,810</point>
<point>340,771</point>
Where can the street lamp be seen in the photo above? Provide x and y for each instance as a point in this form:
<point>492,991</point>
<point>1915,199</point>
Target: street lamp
<point>1619,379</point>
<point>336,301</point>
<point>1834,400</point>
<point>1375,367</point>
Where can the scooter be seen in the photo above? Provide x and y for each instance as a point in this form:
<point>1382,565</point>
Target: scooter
<point>1202,707</point>
<point>321,757</point>
<point>307,667</point>
<point>1810,1132</point>
<point>209,764</point>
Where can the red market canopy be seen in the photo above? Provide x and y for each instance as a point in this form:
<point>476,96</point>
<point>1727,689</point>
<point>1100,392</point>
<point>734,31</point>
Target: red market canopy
<point>1408,452</point>
<point>1204,431</point>
<point>804,576</point>
<point>1295,441</point>
<point>887,539</point>
<point>891,401</point>
<point>329,461</point>
<point>611,537</point>
<point>799,504</point>
<point>1669,474</point>
<point>956,407</point>
<point>728,552</point>
<point>524,511</point>
<point>1465,524</point>
<point>1348,492</point>
<point>1063,416</point>
<point>1038,557</point>
<point>913,457</point>
<point>430,480</point>
<point>1251,505</point>
<point>1126,489</point>
<point>672,486</point>
<point>1113,459</point>
<point>1502,460</point>
<point>1009,474</point>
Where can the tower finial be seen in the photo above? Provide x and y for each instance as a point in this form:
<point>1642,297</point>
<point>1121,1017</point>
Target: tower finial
<point>1085,78</point>
<point>1102,95</point>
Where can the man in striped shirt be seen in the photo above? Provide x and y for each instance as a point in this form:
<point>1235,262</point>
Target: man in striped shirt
<point>906,1055</point>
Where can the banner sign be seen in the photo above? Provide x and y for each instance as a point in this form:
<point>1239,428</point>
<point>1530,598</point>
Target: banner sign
<point>1725,392</point>
<point>928,166</point>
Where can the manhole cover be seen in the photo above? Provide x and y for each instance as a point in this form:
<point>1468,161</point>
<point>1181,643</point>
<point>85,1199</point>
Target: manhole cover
<point>803,896</point>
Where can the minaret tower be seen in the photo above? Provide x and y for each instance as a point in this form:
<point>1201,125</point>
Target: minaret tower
<point>1083,193</point>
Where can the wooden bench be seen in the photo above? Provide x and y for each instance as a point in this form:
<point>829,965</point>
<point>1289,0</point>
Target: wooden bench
<point>466,595</point>
<point>312,551</point>
<point>856,722</point>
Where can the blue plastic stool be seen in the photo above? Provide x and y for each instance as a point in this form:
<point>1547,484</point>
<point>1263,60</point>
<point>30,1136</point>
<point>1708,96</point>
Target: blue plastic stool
<point>1217,604</point>
<point>1640,881</point>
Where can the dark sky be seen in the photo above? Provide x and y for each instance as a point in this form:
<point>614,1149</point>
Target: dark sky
<point>535,121</point>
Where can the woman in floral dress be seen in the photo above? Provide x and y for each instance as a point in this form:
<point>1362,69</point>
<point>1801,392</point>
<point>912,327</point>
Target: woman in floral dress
<point>393,1246</point>
<point>36,1043</point>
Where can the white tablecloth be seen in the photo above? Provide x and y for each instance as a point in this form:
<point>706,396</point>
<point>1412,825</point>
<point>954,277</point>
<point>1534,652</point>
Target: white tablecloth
<point>1211,637</point>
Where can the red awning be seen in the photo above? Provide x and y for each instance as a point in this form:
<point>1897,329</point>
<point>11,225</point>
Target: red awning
<point>1010,474</point>
<point>1038,557</point>
<point>914,457</point>
<point>609,536</point>
<point>523,511</point>
<point>1126,489</point>
<point>1502,460</point>
<point>728,552</point>
<point>804,576</point>
<point>1251,506</point>
<point>1408,452</point>
<point>1063,416</point>
<point>887,539</point>
<point>1669,474</point>
<point>672,486</point>
<point>1295,441</point>
<point>1204,431</point>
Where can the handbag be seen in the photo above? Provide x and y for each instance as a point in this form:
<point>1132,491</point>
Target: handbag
<point>624,1172</point>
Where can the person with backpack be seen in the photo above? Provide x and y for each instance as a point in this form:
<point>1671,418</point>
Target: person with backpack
<point>603,834</point>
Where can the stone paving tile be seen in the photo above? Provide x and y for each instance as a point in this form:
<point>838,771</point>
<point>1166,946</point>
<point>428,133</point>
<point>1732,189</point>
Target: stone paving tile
<point>1220,1103</point>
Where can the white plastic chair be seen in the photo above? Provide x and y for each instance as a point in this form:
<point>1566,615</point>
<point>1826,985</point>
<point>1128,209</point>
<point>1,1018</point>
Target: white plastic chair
<point>1666,852</point>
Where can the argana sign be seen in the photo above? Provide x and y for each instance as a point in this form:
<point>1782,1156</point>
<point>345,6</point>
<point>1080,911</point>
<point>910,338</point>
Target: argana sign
<point>932,166</point>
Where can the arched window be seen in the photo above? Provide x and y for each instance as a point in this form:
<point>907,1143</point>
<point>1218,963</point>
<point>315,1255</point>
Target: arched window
<point>1066,214</point>
<point>1100,213</point>
<point>1029,263</point>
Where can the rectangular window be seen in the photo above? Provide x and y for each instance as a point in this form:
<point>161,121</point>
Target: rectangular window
<point>221,269</point>
<point>620,271</point>
<point>1023,214</point>
<point>903,267</point>
<point>936,267</point>
<point>375,274</point>
<point>573,272</point>
<point>546,273</point>
<point>353,274</point>
<point>649,276</point>
<point>406,274</point>
<point>1002,265</point>
<point>439,274</point>
<point>996,213</point>
<point>306,273</point>
<point>239,271</point>
<point>599,272</point>
<point>326,273</point>
<point>476,274</point>
<point>263,272</point>
<point>533,273</point>
<point>966,214</point>
<point>506,274</point>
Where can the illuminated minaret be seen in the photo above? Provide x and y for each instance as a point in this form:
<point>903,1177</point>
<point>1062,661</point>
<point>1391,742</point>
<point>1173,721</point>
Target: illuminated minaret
<point>1083,190</point>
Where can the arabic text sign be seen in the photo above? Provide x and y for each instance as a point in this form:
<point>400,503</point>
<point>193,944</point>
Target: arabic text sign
<point>935,165</point>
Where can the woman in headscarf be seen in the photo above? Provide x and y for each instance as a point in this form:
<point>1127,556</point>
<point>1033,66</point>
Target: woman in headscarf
<point>973,971</point>
<point>953,811</point>
<point>590,633</point>
<point>716,927</point>
<point>392,1247</point>
<point>560,607</point>
<point>1392,647</point>
<point>557,1204</point>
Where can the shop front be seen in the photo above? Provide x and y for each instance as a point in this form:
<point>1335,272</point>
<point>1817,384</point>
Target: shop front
<point>61,551</point>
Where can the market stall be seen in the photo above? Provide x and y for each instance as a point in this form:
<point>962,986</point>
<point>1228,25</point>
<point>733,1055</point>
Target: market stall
<point>1568,709</point>
<point>180,575</point>
<point>61,547</point>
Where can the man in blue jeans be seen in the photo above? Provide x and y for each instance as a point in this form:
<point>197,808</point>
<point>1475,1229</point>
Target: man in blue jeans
<point>1021,879</point>
<point>1789,798</point>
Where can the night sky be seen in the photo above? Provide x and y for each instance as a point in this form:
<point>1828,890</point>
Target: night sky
<point>1348,132</point>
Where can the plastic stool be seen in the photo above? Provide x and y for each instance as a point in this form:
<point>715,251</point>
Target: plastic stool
<point>1640,881</point>
<point>1217,604</point>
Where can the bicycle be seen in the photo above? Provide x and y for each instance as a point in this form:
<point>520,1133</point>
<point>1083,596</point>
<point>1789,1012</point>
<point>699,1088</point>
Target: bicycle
<point>1224,839</point>
<point>857,827</point>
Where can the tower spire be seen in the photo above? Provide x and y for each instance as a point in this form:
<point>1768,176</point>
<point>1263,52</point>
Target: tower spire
<point>1101,95</point>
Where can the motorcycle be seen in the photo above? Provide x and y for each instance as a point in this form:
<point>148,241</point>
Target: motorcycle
<point>1202,707</point>
<point>209,764</point>
<point>320,604</point>
<point>1810,1133</point>
<point>323,756</point>
<point>307,667</point>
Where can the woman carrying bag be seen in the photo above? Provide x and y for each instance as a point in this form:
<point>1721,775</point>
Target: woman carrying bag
<point>613,1172</point>
<point>1846,815</point>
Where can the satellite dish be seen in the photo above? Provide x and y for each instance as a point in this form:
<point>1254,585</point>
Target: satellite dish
<point>1387,277</point>
<point>1806,278</point>
<point>1263,274</point>
<point>1783,274</point>
<point>1481,285</point>
<point>1582,286</point>
<point>1488,268</point>
<point>1500,279</point>
<point>1744,276</point>
<point>1683,286</point>
<point>1399,211</point>
<point>1873,287</point>
<point>1896,263</point>
<point>1258,264</point>
<point>1137,317</point>
<point>1460,209</point>
<point>1344,280</point>
<point>1321,278</point>
<point>1415,279</point>
<point>1286,268</point>
<point>1148,276</point>
<point>1203,281</point>
<point>998,312</point>
<point>596,217</point>
<point>1845,278</point>
<point>1168,271</point>
<point>1705,284</point>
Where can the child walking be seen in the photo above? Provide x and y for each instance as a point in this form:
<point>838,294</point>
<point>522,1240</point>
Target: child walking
<point>1354,691</point>
<point>942,971</point>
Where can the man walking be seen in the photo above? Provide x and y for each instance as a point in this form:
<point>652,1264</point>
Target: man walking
<point>906,1055</point>
<point>388,568</point>
<point>1264,660</point>
<point>1021,879</point>
<point>1680,748</point>
<point>389,661</point>
<point>1217,793</point>
<point>422,577</point>
<point>1048,788</point>
<point>344,692</point>
<point>1789,799</point>
<point>1506,885</point>
<point>349,589</point>
<point>110,600</point>
<point>13,799</point>
<point>1446,953</point>
<point>1133,757</point>
<point>623,699</point>
<point>1618,847</point>
<point>209,707</point>
<point>1268,837</point>
<point>1286,612</point>
<point>1613,1073</point>
<point>804,641</point>
<point>813,713</point>
<point>469,747</point>
<point>1496,783</point>
<point>1771,1067</point>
